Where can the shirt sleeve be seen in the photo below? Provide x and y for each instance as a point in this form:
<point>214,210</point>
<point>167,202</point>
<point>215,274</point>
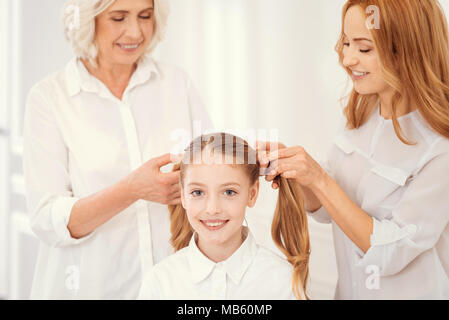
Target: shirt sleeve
<point>199,115</point>
<point>150,287</point>
<point>417,222</point>
<point>45,164</point>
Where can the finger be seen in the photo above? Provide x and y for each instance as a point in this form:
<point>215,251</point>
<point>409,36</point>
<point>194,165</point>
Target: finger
<point>174,188</point>
<point>175,195</point>
<point>284,153</point>
<point>175,201</point>
<point>270,172</point>
<point>164,160</point>
<point>263,160</point>
<point>261,145</point>
<point>268,145</point>
<point>171,178</point>
<point>276,183</point>
<point>284,166</point>
<point>264,171</point>
<point>289,174</point>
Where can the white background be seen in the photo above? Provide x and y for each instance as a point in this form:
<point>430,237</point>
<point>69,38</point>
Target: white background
<point>258,64</point>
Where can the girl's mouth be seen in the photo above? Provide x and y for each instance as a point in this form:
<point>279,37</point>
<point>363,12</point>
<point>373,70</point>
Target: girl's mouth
<point>213,225</point>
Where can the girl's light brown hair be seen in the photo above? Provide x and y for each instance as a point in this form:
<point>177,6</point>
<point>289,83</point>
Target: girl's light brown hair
<point>413,49</point>
<point>289,228</point>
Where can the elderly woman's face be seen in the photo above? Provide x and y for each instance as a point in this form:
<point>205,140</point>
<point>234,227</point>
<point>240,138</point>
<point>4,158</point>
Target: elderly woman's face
<point>124,31</point>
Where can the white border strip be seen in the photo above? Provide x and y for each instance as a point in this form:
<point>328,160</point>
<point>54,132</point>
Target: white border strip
<point>4,147</point>
<point>16,72</point>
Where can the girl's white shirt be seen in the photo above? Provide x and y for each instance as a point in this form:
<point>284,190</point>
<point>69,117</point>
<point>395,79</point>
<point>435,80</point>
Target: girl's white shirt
<point>79,139</point>
<point>405,189</point>
<point>252,272</point>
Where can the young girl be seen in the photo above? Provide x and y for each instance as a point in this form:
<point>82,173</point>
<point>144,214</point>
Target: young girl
<point>217,257</point>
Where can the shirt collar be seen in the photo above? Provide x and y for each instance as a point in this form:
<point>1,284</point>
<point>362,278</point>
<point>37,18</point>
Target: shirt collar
<point>235,266</point>
<point>78,78</point>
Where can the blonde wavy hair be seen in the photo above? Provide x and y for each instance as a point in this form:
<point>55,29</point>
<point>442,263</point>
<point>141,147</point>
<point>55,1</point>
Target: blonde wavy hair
<point>289,228</point>
<point>413,49</point>
<point>78,18</point>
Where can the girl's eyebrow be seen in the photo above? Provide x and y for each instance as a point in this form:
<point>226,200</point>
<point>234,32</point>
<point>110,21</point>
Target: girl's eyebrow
<point>222,185</point>
<point>230,184</point>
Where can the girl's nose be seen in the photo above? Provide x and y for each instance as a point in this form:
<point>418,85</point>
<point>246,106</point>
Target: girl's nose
<point>212,206</point>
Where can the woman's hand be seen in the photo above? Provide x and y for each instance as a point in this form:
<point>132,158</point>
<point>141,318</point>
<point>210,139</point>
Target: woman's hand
<point>263,150</point>
<point>295,163</point>
<point>291,163</point>
<point>320,190</point>
<point>287,162</point>
<point>148,182</point>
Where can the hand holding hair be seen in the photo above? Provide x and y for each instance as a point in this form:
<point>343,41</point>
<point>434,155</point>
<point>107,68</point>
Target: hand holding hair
<point>295,163</point>
<point>263,150</point>
<point>149,183</point>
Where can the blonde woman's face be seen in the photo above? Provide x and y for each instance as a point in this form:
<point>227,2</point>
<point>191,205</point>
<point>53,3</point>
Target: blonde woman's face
<point>215,197</point>
<point>360,56</point>
<point>124,31</point>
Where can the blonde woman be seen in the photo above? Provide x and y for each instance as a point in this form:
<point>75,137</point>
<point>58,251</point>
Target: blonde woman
<point>96,136</point>
<point>217,257</point>
<point>385,186</point>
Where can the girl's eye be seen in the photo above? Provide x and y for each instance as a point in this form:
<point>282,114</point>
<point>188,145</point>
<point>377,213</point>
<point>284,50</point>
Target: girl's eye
<point>230,193</point>
<point>346,44</point>
<point>196,193</point>
<point>145,17</point>
<point>365,51</point>
<point>118,19</point>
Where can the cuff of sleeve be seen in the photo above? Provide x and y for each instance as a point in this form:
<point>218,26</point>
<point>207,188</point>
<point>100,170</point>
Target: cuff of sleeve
<point>320,215</point>
<point>60,216</point>
<point>384,232</point>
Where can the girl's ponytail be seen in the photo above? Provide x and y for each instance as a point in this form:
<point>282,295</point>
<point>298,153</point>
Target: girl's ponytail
<point>291,234</point>
<point>181,231</point>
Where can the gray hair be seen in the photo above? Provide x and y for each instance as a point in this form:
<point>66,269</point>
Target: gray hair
<point>78,18</point>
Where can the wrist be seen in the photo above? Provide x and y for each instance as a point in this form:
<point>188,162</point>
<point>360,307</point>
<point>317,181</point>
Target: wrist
<point>129,189</point>
<point>321,184</point>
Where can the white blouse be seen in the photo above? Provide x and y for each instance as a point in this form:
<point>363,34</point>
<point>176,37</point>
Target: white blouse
<point>79,139</point>
<point>252,272</point>
<point>405,189</point>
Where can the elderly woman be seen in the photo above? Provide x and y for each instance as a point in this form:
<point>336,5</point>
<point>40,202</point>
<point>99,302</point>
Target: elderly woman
<point>96,135</point>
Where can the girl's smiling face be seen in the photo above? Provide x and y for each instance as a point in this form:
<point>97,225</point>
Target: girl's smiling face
<point>215,197</point>
<point>360,56</point>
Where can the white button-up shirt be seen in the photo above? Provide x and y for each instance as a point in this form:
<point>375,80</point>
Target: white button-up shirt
<point>405,189</point>
<point>252,272</point>
<point>79,139</point>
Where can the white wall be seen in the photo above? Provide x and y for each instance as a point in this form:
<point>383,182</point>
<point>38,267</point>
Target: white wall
<point>258,64</point>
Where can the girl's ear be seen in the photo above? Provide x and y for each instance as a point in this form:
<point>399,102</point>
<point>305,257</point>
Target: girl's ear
<point>253,193</point>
